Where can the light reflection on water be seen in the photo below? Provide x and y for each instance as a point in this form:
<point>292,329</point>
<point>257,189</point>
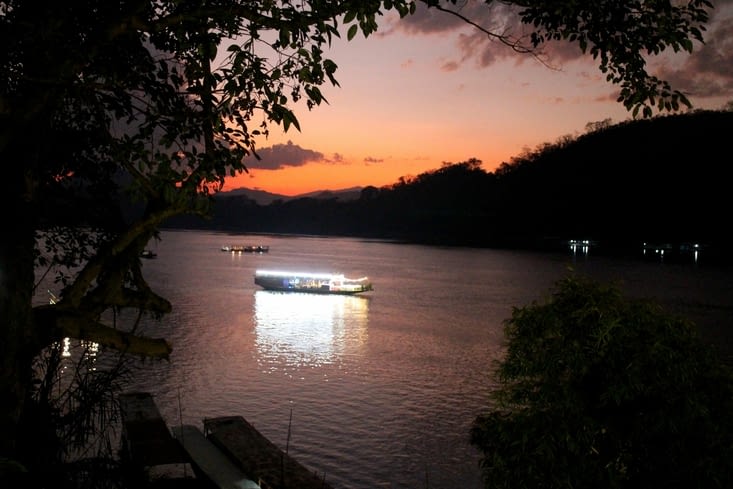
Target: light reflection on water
<point>301,329</point>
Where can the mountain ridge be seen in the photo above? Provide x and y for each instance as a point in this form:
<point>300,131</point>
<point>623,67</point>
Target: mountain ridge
<point>263,197</point>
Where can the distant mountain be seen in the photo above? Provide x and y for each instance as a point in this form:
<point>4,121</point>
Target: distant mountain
<point>265,198</point>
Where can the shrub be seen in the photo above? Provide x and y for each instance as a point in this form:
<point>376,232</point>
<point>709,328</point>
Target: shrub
<point>600,391</point>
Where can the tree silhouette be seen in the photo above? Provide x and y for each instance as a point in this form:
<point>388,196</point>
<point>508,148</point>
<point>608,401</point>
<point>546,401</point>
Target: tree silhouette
<point>597,390</point>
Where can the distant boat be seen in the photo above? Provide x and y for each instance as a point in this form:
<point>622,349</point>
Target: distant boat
<point>246,249</point>
<point>317,283</point>
<point>147,254</point>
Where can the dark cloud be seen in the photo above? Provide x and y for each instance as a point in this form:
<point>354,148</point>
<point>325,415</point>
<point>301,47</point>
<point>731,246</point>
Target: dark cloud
<point>371,160</point>
<point>707,72</point>
<point>473,44</point>
<point>280,156</point>
<point>431,21</point>
<point>336,158</point>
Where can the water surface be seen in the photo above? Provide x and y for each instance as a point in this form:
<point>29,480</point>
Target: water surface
<point>375,390</point>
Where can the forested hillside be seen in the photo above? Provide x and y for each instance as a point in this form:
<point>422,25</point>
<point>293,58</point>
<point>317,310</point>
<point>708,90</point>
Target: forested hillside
<point>662,180</point>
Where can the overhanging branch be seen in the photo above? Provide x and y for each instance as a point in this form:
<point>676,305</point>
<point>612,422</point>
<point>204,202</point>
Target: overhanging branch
<point>56,323</point>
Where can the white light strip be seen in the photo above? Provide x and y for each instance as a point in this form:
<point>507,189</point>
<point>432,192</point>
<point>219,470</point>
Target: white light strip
<point>279,273</point>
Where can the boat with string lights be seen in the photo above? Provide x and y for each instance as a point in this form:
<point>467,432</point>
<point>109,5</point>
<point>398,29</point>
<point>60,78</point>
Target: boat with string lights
<point>316,283</point>
<point>246,249</point>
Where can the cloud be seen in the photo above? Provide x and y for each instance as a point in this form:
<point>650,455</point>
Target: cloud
<point>450,66</point>
<point>474,46</point>
<point>280,156</point>
<point>707,72</point>
<point>431,21</point>
<point>371,160</point>
<point>336,158</point>
<point>472,43</point>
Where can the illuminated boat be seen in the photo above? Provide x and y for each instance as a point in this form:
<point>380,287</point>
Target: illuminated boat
<point>318,283</point>
<point>148,254</point>
<point>246,249</point>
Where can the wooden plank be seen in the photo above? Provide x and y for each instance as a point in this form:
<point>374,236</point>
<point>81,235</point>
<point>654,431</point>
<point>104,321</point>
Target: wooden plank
<point>146,437</point>
<point>259,457</point>
<point>210,461</point>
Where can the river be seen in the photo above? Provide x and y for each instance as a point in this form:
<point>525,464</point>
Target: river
<point>377,390</point>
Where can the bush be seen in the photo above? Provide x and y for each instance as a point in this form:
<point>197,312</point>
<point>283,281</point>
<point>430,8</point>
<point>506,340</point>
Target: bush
<point>599,391</point>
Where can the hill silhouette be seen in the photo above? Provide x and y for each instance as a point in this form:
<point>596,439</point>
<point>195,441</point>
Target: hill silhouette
<point>263,197</point>
<point>660,180</point>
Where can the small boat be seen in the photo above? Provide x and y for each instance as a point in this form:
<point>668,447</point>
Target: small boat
<point>147,254</point>
<point>246,249</point>
<point>318,283</point>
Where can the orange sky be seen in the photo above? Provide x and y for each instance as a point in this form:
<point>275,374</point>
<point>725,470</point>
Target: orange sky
<point>428,91</point>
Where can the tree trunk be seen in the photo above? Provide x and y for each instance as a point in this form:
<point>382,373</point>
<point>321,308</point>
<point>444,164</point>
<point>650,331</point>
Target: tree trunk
<point>16,303</point>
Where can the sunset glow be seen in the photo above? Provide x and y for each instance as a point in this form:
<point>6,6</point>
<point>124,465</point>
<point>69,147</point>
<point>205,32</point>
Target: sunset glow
<point>412,98</point>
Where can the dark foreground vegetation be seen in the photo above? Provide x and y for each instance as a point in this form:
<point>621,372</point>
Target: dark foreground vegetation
<point>599,391</point>
<point>659,180</point>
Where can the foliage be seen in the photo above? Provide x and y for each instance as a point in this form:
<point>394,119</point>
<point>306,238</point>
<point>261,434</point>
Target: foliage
<point>597,390</point>
<point>72,415</point>
<point>618,35</point>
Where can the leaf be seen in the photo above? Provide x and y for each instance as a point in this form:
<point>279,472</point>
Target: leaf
<point>288,118</point>
<point>284,37</point>
<point>352,32</point>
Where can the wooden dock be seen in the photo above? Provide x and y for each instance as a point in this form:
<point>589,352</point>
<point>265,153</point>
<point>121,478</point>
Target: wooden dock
<point>146,439</point>
<point>229,454</point>
<point>152,457</point>
<point>209,461</point>
<point>258,457</point>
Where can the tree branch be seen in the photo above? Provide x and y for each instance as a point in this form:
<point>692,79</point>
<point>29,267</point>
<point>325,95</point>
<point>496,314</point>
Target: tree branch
<point>55,323</point>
